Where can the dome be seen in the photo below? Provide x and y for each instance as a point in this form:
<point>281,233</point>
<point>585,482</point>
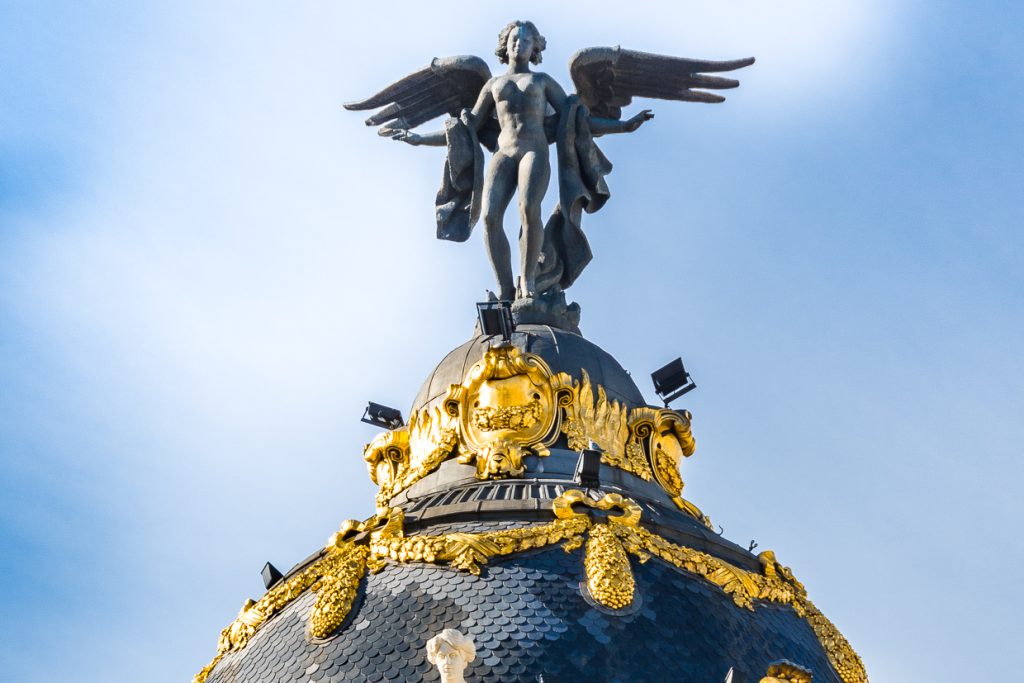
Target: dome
<point>561,350</point>
<point>484,525</point>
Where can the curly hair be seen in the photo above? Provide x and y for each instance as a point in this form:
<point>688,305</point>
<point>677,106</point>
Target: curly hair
<point>455,640</point>
<point>539,41</point>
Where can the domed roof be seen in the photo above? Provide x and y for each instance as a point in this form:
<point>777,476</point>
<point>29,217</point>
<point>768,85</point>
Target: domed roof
<point>485,524</point>
<point>561,350</point>
<point>531,621</point>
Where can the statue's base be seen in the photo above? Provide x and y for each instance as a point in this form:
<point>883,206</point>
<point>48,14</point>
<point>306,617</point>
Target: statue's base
<point>548,308</point>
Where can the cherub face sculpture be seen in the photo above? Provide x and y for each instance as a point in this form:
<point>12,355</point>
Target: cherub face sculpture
<point>451,652</point>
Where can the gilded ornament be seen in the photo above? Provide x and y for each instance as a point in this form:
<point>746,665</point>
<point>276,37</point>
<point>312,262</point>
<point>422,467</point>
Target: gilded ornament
<point>399,458</point>
<point>509,405</point>
<point>387,458</point>
<point>668,439</point>
<point>609,575</point>
<point>468,552</point>
<point>692,510</point>
<point>786,672</point>
<point>563,506</point>
<point>238,632</point>
<point>336,589</point>
<point>506,407</point>
<point>335,576</point>
<point>740,585</point>
<point>841,654</point>
<point>591,416</point>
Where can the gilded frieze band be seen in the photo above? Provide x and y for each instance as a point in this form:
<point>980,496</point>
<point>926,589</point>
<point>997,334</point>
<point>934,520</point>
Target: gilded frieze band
<point>609,541</point>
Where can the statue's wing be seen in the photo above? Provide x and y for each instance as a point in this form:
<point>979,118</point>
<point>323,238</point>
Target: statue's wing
<point>608,78</point>
<point>446,86</point>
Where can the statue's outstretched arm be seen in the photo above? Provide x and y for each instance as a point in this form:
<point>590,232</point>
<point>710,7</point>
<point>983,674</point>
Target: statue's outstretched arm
<point>481,111</point>
<point>604,126</point>
<point>445,86</point>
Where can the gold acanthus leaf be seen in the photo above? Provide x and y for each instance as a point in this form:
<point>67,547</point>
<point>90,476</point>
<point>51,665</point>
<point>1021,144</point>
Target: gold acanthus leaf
<point>589,417</point>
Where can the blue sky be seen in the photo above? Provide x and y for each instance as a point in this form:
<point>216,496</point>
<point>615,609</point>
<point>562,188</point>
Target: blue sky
<point>207,267</point>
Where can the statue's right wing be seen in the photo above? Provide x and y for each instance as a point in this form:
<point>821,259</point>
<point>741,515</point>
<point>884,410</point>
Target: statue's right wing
<point>446,86</point>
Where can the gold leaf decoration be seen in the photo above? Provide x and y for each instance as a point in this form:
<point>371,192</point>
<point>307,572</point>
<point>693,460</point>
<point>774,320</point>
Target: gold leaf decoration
<point>609,576</point>
<point>469,551</point>
<point>336,589</point>
<point>786,672</point>
<point>505,408</point>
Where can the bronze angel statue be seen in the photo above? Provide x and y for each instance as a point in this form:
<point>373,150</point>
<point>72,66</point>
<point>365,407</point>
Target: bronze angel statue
<point>516,115</point>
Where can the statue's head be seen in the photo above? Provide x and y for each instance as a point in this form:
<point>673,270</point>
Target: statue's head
<point>450,652</point>
<point>522,37</point>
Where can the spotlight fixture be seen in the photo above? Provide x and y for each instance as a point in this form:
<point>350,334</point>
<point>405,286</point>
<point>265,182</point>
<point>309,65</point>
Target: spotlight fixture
<point>588,468</point>
<point>382,416</point>
<point>271,575</point>
<point>495,318</point>
<point>672,381</point>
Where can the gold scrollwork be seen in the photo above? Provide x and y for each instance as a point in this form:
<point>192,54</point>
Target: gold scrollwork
<point>511,404</point>
<point>387,458</point>
<point>671,440</point>
<point>399,458</point>
<point>506,408</point>
<point>563,506</point>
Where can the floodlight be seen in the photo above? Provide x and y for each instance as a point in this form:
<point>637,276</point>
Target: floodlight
<point>271,575</point>
<point>495,318</point>
<point>672,381</point>
<point>382,416</point>
<point>588,467</point>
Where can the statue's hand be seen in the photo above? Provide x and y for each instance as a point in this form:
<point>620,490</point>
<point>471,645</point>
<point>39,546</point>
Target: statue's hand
<point>638,120</point>
<point>407,136</point>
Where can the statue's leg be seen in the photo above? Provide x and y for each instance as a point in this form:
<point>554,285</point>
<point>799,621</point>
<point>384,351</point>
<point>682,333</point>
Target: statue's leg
<point>499,185</point>
<point>534,174</point>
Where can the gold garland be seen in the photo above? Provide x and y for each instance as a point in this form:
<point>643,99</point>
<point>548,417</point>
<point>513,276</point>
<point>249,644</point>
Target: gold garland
<point>369,545</point>
<point>468,551</point>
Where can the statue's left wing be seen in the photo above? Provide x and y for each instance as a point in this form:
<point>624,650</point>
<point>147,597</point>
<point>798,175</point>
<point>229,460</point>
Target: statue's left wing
<point>608,78</point>
<point>445,86</point>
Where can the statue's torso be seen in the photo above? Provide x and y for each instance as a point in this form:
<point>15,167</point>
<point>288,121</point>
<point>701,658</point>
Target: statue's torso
<point>520,104</point>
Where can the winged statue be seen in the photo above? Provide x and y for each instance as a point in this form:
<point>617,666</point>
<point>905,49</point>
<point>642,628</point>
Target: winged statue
<point>516,115</point>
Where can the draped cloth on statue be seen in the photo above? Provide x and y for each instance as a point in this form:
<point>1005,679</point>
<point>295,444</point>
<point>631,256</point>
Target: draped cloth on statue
<point>581,187</point>
<point>457,206</point>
